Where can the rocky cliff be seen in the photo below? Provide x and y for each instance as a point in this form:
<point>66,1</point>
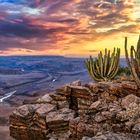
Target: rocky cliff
<point>94,111</point>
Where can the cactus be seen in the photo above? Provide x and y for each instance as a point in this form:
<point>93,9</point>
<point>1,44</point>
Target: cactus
<point>104,67</point>
<point>134,61</point>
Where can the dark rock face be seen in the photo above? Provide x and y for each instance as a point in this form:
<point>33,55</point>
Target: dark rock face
<point>95,111</point>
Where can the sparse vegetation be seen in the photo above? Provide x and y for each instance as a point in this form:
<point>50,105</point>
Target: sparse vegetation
<point>104,67</point>
<point>134,61</point>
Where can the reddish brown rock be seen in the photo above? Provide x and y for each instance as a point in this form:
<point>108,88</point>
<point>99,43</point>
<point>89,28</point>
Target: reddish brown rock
<point>23,115</point>
<point>99,118</point>
<point>107,114</point>
<point>115,88</point>
<point>95,105</point>
<point>59,136</point>
<point>129,85</point>
<point>94,87</point>
<point>59,120</point>
<point>40,114</point>
<point>24,133</point>
<point>109,97</point>
<point>126,101</point>
<point>83,105</point>
<point>75,111</point>
<point>65,91</point>
<point>57,97</point>
<point>76,83</point>
<point>131,113</point>
<point>63,104</point>
<point>80,92</point>
<point>136,128</point>
<point>113,136</point>
<point>45,99</point>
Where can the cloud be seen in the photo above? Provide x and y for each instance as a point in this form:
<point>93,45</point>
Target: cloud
<point>42,25</point>
<point>26,30</point>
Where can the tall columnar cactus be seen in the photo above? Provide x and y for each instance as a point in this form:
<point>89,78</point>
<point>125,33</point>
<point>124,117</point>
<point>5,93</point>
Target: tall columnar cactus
<point>104,67</point>
<point>134,61</point>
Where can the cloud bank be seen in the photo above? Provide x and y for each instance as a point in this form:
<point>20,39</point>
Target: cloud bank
<point>40,26</point>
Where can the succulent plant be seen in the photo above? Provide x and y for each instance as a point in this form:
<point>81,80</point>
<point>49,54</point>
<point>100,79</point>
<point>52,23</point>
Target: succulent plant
<point>104,67</point>
<point>134,61</point>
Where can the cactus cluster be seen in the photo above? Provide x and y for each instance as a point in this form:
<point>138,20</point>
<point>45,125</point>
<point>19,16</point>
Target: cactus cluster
<point>104,67</point>
<point>134,61</point>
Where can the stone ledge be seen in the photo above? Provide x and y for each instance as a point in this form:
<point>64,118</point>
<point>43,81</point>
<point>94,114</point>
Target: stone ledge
<point>75,111</point>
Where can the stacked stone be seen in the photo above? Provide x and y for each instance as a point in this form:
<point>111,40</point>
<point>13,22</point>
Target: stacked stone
<point>58,121</point>
<point>21,120</point>
<point>89,110</point>
<point>39,118</point>
<point>60,99</point>
<point>81,98</point>
<point>49,113</point>
<point>123,116</point>
<point>23,115</point>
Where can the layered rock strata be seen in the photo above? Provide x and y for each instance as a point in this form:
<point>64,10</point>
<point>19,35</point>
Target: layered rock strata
<point>94,111</point>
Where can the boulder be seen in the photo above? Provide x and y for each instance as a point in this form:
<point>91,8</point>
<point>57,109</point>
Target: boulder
<point>108,97</point>
<point>59,120</point>
<point>45,99</point>
<point>129,85</point>
<point>126,101</point>
<point>131,113</point>
<point>23,116</point>
<point>76,83</point>
<point>136,129</point>
<point>40,114</point>
<point>81,92</point>
<point>95,105</point>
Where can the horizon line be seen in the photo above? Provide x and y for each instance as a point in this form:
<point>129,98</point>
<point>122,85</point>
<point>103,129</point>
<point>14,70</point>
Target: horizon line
<point>34,55</point>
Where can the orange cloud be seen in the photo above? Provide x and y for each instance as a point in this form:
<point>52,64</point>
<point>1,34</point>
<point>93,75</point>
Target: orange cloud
<point>76,27</point>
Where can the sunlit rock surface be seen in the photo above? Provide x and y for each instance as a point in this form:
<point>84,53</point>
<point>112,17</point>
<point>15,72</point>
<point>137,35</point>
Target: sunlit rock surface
<point>93,111</point>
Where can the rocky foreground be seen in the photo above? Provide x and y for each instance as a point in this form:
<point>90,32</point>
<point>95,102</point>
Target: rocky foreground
<point>94,111</point>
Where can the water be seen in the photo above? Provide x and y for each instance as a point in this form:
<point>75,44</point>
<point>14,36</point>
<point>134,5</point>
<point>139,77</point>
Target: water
<point>7,95</point>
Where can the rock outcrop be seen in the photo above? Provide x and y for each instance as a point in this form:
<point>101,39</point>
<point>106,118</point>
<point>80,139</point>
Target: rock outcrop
<point>94,111</point>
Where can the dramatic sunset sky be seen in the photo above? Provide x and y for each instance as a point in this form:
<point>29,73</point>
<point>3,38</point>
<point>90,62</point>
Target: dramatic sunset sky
<point>66,27</point>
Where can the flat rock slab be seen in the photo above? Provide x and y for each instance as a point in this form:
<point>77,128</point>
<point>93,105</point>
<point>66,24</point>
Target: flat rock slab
<point>59,119</point>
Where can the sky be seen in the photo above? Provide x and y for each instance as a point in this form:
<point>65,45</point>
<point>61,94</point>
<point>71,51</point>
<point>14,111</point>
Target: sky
<point>67,27</point>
